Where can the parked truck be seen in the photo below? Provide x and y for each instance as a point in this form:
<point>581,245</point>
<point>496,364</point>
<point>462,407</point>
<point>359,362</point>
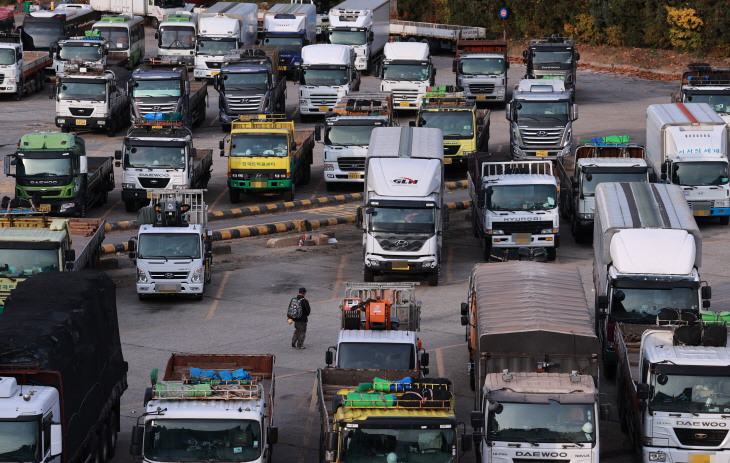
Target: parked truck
<point>91,98</point>
<point>407,71</point>
<point>327,75</point>
<point>157,155</point>
<point>91,50</point>
<point>23,71</point>
<point>33,243</point>
<point>514,207</point>
<point>481,69</point>
<point>250,82</point>
<point>541,117</point>
<point>596,163</point>
<point>436,36</point>
<point>152,11</point>
<point>266,154</point>
<point>223,27</point>
<point>164,85</point>
<point>347,132</point>
<point>53,168</point>
<point>173,249</point>
<point>7,19</point>
<point>533,361</point>
<point>194,417</point>
<point>176,36</point>
<point>63,372</point>
<point>465,128</point>
<point>647,255</point>
<point>552,58</point>
<point>403,210</point>
<point>362,25</point>
<point>688,144</point>
<point>290,27</point>
<point>701,83</point>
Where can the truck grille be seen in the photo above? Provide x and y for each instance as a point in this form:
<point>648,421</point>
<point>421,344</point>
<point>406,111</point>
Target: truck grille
<point>169,275</point>
<point>81,112</point>
<point>351,164</point>
<point>148,182</point>
<point>156,107</point>
<point>538,138</point>
<point>285,61</point>
<point>410,96</point>
<point>403,243</point>
<point>46,192</point>
<point>244,104</point>
<point>482,88</point>
<point>522,227</point>
<point>324,100</point>
<point>213,64</point>
<point>700,437</point>
<point>2,78</point>
<point>450,150</point>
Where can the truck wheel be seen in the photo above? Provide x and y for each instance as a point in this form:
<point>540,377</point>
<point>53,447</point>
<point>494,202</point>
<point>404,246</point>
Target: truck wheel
<point>487,248</point>
<point>112,128</point>
<point>433,279</point>
<point>65,130</point>
<point>474,229</point>
<point>95,451</point>
<point>112,434</point>
<point>289,194</point>
<point>129,206</point>
<point>577,234</point>
<point>472,382</point>
<point>104,442</point>
<point>19,93</point>
<point>235,195</point>
<point>369,276</point>
<point>552,253</point>
<point>724,220</point>
<point>41,80</point>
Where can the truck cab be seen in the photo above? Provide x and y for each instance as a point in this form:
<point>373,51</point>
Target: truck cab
<point>407,71</point>
<point>541,117</point>
<point>290,27</point>
<point>702,83</point>
<point>481,69</point>
<point>90,50</point>
<point>326,76</point>
<point>552,58</point>
<point>176,36</point>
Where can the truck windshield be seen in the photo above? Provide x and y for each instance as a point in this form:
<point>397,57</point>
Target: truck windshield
<point>552,57</point>
<point>28,167</point>
<point>7,56</point>
<point>406,72</point>
<point>454,124</point>
<point>700,173</point>
<point>521,197</point>
<point>402,220</point>
<point>589,186</point>
<point>177,37</point>
<point>481,66</point>
<point>684,393</point>
<point>79,52</point>
<point>156,88</point>
<point>719,102</point>
<point>324,76</point>
<point>248,80</point>
<point>169,245</point>
<point>540,423</point>
<point>348,135</point>
<point>643,305</point>
<point>370,445</point>
<point>118,37</point>
<point>82,91</point>
<point>202,440</point>
<point>259,145</point>
<point>347,37</point>
<point>374,356</point>
<point>542,111</point>
<point>285,44</point>
<point>19,441</point>
<point>43,33</point>
<point>27,262</point>
<point>221,47</point>
<point>170,157</point>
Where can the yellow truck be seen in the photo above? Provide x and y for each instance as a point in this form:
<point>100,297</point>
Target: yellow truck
<point>266,155</point>
<point>32,243</point>
<point>466,128</point>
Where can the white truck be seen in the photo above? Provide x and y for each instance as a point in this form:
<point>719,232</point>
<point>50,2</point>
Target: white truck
<point>174,249</point>
<point>541,117</point>
<point>290,27</point>
<point>90,50</point>
<point>176,36</point>
<point>481,69</point>
<point>702,83</point>
<point>533,364</point>
<point>436,36</point>
<point>327,75</point>
<point>347,135</point>
<point>403,212</point>
<point>688,143</point>
<point>514,207</point>
<point>379,329</point>
<point>362,25</point>
<point>193,417</point>
<point>154,10</point>
<point>222,28</point>
<point>21,71</point>
<point>407,71</point>
<point>647,256</point>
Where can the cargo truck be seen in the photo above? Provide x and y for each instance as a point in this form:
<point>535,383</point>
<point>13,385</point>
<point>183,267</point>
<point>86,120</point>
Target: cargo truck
<point>552,58</point>
<point>157,155</point>
<point>647,254</point>
<point>176,36</point>
<point>362,25</point>
<point>435,36</point>
<point>62,373</point>
<point>327,75</point>
<point>266,154</point>
<point>153,11</point>
<point>90,50</point>
<point>191,417</point>
<point>481,69</point>
<point>23,71</point>
<point>7,19</point>
<point>688,144</point>
<point>702,83</point>
<point>54,166</point>
<point>41,28</point>
<point>403,214</point>
<point>290,27</point>
<point>407,71</point>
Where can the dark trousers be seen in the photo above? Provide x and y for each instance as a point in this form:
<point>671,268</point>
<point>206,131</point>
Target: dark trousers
<point>300,332</point>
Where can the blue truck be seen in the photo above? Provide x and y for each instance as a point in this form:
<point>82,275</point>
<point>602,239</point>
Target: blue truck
<point>290,27</point>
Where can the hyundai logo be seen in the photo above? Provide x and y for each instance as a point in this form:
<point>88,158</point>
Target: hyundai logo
<point>541,133</point>
<point>169,275</point>
<point>701,436</point>
<point>401,243</point>
<point>244,100</point>
<point>156,108</point>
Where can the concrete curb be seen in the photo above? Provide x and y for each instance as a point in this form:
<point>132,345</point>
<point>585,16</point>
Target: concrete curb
<point>461,184</point>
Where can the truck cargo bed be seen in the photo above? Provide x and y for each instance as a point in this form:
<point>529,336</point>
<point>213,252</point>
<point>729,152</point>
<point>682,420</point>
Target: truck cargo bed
<point>86,238</point>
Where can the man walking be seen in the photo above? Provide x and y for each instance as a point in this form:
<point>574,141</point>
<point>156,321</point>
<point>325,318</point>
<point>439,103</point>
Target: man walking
<point>298,312</point>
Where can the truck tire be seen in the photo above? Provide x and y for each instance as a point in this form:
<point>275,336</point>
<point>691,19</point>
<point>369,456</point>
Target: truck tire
<point>41,80</point>
<point>289,194</point>
<point>369,275</point>
<point>112,127</point>
<point>199,297</point>
<point>724,220</point>
<point>112,432</point>
<point>95,449</point>
<point>234,195</point>
<point>577,233</point>
<point>487,248</point>
<point>104,442</point>
<point>474,229</point>
<point>433,279</point>
<point>19,93</point>
<point>552,254</point>
<point>129,205</point>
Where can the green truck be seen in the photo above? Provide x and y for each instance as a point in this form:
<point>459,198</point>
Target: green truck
<point>54,167</point>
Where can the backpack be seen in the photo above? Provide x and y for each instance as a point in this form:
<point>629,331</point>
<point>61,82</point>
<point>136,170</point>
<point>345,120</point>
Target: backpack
<point>295,309</point>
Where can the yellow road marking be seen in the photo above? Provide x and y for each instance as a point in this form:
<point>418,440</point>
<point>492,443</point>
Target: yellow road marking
<point>339,276</point>
<point>211,312</point>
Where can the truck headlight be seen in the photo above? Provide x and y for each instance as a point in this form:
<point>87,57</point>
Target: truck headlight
<point>547,231</point>
<point>585,216</point>
<point>302,101</point>
<point>328,167</point>
<point>372,262</point>
<point>178,187</point>
<point>141,276</point>
<point>66,206</point>
<point>497,232</point>
<point>429,264</point>
<point>501,90</point>
<point>62,121</point>
<point>102,122</point>
<point>657,456</point>
<point>197,275</point>
<point>566,151</point>
<point>722,203</point>
<point>128,186</point>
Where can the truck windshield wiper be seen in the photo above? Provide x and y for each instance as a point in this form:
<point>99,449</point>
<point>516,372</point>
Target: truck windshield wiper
<point>688,410</point>
<point>533,443</point>
<point>153,257</point>
<point>519,116</point>
<point>565,436</point>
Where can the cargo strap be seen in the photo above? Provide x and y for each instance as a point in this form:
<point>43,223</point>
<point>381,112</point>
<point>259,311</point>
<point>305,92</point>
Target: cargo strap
<point>406,142</point>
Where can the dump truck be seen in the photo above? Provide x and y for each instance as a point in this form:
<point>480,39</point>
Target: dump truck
<point>266,155</point>
<point>24,71</point>
<point>481,69</point>
<point>62,373</point>
<point>701,83</point>
<point>223,403</point>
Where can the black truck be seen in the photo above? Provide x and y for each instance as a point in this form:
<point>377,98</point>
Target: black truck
<point>553,57</point>
<point>62,372</point>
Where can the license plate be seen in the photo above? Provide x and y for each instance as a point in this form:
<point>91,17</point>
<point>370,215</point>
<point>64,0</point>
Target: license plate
<point>156,126</point>
<point>523,238</point>
<point>447,160</point>
<point>324,109</point>
<point>214,73</point>
<point>168,288</point>
<point>481,97</point>
<point>282,68</point>
<point>353,175</point>
<point>259,184</point>
<point>541,153</point>
<point>80,121</point>
<point>404,103</point>
<point>400,265</point>
<point>701,209</point>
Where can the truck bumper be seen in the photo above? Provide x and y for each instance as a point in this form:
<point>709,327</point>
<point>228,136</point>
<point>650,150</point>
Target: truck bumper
<point>229,118</point>
<point>261,186</point>
<point>531,154</point>
<point>205,73</point>
<point>719,211</point>
<point>340,176</point>
<point>458,159</point>
<point>83,122</point>
<point>67,207</point>
<point>673,455</point>
<point>585,226</point>
<point>479,98</point>
<point>314,110</point>
<point>136,194</point>
<point>536,241</point>
<point>171,287</point>
<point>419,264</point>
<point>8,87</point>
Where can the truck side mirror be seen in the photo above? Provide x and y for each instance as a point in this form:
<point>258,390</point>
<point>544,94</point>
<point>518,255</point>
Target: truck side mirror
<point>331,441</point>
<point>467,440</point>
<point>131,246</point>
<point>272,435</point>
<point>642,391</point>
<point>135,449</point>
<point>575,112</point>
<point>56,439</point>
<point>477,419</point>
<point>221,144</point>
<point>215,82</point>
<point>329,358</point>
<point>358,218</point>
<point>577,56</point>
<point>508,111</point>
<point>464,308</point>
<point>118,155</point>
<point>411,123</point>
<point>318,133</point>
<point>371,36</point>
<point>464,320</point>
<point>453,66</point>
<point>652,177</point>
<point>9,161</point>
<point>506,64</point>
<point>664,169</point>
<point>157,35</point>
<point>425,359</point>
<point>706,292</point>
<point>524,54</point>
<point>69,255</point>
<point>194,153</point>
<point>605,412</point>
<point>293,146</point>
<point>51,94</point>
<point>602,302</point>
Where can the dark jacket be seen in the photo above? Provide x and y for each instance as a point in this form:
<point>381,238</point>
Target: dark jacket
<point>306,310</point>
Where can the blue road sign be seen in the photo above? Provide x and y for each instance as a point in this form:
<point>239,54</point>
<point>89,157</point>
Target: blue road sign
<point>503,13</point>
